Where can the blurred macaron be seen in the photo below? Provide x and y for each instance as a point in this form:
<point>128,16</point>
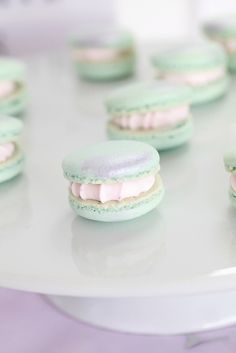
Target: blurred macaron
<point>223,31</point>
<point>106,55</point>
<point>157,113</point>
<point>202,66</point>
<point>13,92</point>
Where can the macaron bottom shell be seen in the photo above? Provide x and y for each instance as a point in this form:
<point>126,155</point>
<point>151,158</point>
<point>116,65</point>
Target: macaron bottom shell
<point>210,92</point>
<point>12,167</point>
<point>118,211</point>
<point>106,71</point>
<point>161,140</point>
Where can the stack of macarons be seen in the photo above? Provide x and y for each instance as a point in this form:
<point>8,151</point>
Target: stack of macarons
<point>223,31</point>
<point>11,154</point>
<point>104,56</point>
<point>202,66</point>
<point>157,113</point>
<point>12,87</point>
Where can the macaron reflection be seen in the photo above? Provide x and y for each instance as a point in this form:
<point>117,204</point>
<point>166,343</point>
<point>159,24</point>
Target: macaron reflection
<point>120,249</point>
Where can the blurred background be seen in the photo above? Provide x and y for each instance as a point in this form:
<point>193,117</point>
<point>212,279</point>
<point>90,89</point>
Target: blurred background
<point>30,26</point>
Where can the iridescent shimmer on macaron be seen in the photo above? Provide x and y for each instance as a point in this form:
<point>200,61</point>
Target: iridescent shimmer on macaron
<point>223,31</point>
<point>114,181</point>
<point>157,113</point>
<point>11,155</point>
<point>202,66</point>
<point>113,167</point>
<point>13,93</point>
<point>106,55</point>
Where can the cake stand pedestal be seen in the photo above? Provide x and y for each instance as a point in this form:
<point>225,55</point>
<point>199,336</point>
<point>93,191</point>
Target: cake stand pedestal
<point>154,315</point>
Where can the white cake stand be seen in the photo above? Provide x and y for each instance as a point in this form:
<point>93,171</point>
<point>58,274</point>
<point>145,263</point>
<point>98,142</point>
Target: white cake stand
<point>171,271</point>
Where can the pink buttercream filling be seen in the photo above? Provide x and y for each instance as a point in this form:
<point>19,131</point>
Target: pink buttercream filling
<point>233,181</point>
<point>6,151</point>
<point>153,120</point>
<point>6,88</point>
<point>197,78</point>
<point>95,54</point>
<point>113,192</point>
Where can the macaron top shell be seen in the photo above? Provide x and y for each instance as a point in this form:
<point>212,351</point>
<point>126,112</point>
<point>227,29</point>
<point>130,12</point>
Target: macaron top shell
<point>187,57</point>
<point>10,129</point>
<point>11,69</point>
<point>143,97</point>
<point>112,161</point>
<point>224,27</point>
<point>107,39</point>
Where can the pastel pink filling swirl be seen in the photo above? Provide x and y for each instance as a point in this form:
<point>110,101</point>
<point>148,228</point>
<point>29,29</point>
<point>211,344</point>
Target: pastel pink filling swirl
<point>153,120</point>
<point>114,191</point>
<point>6,88</point>
<point>233,181</point>
<point>95,54</point>
<point>197,78</point>
<point>6,151</point>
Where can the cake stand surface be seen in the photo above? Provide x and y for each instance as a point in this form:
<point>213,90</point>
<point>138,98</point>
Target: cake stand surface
<point>179,256</point>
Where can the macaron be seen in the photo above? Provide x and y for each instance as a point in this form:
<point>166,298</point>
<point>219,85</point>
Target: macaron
<point>202,66</point>
<point>114,180</point>
<point>223,31</point>
<point>104,56</point>
<point>157,113</point>
<point>11,154</point>
<point>13,94</point>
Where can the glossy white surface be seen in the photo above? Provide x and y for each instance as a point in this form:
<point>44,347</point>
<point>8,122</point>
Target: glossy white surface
<point>185,246</point>
<point>154,315</point>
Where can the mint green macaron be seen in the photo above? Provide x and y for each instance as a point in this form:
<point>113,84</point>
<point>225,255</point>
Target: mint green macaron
<point>230,166</point>
<point>11,154</point>
<point>104,56</point>
<point>13,94</point>
<point>202,66</point>
<point>114,180</point>
<point>223,31</point>
<point>157,113</point>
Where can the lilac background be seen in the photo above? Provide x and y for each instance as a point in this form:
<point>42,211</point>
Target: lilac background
<point>29,324</point>
<point>21,29</point>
